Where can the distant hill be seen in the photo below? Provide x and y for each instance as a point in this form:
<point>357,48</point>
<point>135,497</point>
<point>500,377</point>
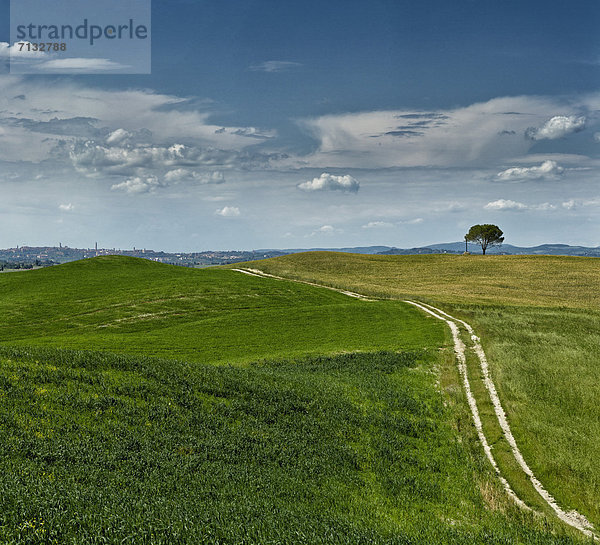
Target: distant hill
<point>27,257</point>
<point>505,249</point>
<point>418,251</point>
<point>453,248</point>
<point>352,250</point>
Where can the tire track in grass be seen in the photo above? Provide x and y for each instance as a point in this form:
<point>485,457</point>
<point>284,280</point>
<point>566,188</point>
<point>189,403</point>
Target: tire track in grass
<point>459,350</point>
<point>259,273</point>
<point>572,518</point>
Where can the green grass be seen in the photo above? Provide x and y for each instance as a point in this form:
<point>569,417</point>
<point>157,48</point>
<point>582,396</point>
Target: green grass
<point>549,281</point>
<point>355,448</point>
<point>122,304</point>
<point>539,321</point>
<point>547,373</point>
<point>278,413</point>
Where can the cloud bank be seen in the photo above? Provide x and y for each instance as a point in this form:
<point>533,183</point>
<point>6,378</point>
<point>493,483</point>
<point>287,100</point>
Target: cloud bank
<point>138,185</point>
<point>508,205</point>
<point>476,135</point>
<point>548,169</point>
<point>183,174</point>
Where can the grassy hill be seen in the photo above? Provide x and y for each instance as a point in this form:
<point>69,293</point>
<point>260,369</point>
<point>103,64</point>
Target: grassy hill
<point>548,281</point>
<point>131,305</point>
<point>539,320</point>
<point>279,413</point>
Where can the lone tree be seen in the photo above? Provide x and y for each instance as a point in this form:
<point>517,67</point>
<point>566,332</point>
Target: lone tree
<point>485,235</point>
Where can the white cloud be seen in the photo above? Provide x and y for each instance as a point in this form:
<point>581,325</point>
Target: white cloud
<point>182,174</point>
<point>141,126</point>
<point>326,230</point>
<point>138,185</point>
<point>548,169</point>
<point>228,212</point>
<point>597,136</point>
<point>118,136</point>
<point>480,134</point>
<point>66,207</point>
<point>76,64</point>
<point>572,204</point>
<point>378,225</point>
<point>274,66</point>
<point>93,159</point>
<point>331,182</point>
<point>504,205</point>
<point>148,116</point>
<point>43,61</point>
<point>558,126</point>
<point>177,175</point>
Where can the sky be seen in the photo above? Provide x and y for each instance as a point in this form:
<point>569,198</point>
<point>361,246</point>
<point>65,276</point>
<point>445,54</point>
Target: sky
<point>269,124</point>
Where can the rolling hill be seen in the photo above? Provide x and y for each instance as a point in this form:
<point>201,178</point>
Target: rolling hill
<point>539,320</point>
<point>131,305</point>
<point>277,412</point>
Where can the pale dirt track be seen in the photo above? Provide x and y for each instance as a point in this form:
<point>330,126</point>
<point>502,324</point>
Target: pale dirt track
<point>256,272</point>
<point>572,518</point>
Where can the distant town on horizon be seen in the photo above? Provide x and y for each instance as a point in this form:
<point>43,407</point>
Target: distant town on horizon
<point>28,257</point>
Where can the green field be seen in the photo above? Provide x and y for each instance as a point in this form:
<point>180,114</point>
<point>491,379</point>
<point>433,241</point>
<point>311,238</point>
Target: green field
<point>548,281</point>
<point>143,403</point>
<point>539,320</point>
<point>130,305</point>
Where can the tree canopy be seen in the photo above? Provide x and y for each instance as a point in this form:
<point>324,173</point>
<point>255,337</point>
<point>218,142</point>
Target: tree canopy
<point>485,235</point>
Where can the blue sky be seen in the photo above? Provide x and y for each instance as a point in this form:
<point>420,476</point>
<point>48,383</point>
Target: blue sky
<point>311,124</point>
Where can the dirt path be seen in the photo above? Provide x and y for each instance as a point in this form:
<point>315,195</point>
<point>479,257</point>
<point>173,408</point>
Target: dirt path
<point>256,272</point>
<point>572,518</point>
<point>459,350</point>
